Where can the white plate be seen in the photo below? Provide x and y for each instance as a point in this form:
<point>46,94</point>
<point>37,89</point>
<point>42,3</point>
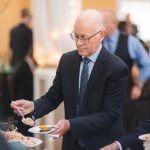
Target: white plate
<point>37,142</point>
<point>36,129</point>
<point>143,137</point>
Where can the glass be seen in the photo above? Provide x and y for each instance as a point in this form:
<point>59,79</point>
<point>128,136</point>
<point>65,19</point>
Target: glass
<point>83,38</point>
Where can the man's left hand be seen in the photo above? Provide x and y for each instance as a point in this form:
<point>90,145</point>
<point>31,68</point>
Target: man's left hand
<point>62,127</point>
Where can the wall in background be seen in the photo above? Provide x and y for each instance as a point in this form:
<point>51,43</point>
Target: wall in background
<point>52,29</point>
<point>138,11</point>
<point>100,4</point>
<point>11,16</point>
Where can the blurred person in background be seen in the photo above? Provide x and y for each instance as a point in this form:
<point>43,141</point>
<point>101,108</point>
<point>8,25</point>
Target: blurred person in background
<point>143,104</point>
<point>130,28</point>
<point>131,51</point>
<point>21,38</point>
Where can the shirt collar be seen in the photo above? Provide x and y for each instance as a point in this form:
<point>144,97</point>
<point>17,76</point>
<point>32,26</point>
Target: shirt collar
<point>94,56</point>
<point>114,36</point>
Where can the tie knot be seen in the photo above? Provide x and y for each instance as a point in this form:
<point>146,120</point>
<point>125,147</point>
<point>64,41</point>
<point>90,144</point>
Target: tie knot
<point>86,60</point>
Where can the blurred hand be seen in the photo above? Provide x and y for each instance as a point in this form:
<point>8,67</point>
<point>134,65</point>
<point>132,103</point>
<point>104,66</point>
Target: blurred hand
<point>25,106</point>
<point>136,92</point>
<point>62,127</point>
<point>113,146</point>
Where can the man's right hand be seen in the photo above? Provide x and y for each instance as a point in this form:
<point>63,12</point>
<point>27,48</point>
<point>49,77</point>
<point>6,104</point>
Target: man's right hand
<point>25,106</point>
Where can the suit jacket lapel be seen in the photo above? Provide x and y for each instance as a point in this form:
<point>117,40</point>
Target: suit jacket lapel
<point>97,70</point>
<point>75,82</point>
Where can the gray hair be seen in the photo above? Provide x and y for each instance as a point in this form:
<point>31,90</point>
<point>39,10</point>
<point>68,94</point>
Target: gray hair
<point>91,16</point>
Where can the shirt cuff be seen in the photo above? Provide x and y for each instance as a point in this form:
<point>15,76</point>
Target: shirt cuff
<point>120,147</point>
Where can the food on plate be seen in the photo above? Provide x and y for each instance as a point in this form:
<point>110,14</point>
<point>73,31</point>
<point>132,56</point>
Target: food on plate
<point>147,137</point>
<point>16,136</point>
<point>28,121</point>
<point>44,128</point>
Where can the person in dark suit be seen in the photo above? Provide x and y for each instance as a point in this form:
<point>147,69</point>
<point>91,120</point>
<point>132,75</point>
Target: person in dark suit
<point>22,83</point>
<point>21,38</point>
<point>130,141</point>
<point>92,84</point>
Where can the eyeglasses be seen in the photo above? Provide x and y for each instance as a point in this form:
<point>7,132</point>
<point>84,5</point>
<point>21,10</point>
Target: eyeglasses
<point>83,38</point>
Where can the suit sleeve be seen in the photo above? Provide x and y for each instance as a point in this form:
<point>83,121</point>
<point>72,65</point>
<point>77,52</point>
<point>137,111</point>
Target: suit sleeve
<point>51,99</point>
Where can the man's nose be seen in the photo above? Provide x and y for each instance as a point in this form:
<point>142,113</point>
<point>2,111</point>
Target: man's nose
<point>79,41</point>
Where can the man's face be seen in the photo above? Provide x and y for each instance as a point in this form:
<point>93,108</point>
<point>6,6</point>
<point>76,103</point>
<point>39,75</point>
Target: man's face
<point>88,39</point>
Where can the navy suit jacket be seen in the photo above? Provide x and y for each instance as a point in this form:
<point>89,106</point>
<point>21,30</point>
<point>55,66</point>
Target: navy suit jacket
<point>132,141</point>
<point>100,121</point>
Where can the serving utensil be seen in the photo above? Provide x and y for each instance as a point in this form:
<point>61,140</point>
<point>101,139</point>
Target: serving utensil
<point>27,121</point>
<point>20,112</point>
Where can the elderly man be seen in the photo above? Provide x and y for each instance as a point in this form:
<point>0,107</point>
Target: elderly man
<point>92,83</point>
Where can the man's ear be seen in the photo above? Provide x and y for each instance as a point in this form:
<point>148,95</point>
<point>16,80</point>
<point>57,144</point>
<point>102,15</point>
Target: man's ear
<point>102,34</point>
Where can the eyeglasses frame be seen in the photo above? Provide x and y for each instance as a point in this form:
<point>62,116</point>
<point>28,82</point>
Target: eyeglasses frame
<point>84,39</point>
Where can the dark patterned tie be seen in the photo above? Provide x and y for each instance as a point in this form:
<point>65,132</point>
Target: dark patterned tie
<point>83,81</point>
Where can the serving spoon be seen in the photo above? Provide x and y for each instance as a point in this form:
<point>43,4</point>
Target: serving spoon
<point>27,121</point>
